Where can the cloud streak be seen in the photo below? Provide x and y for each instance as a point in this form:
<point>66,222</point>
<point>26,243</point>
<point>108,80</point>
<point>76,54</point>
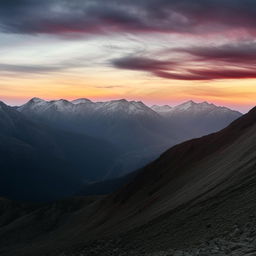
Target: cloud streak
<point>144,16</point>
<point>31,69</point>
<point>230,53</point>
<point>186,17</point>
<point>143,64</point>
<point>233,61</point>
<point>58,66</point>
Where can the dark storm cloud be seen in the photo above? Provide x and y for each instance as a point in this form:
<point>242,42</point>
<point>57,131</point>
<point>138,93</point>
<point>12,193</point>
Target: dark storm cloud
<point>242,53</point>
<point>208,74</point>
<point>141,63</point>
<point>144,16</point>
<point>234,61</point>
<point>197,17</point>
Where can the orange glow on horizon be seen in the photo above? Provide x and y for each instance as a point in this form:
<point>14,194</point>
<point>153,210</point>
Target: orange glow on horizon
<point>237,94</point>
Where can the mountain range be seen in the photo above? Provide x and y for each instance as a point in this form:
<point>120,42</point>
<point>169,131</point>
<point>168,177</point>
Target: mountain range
<point>199,118</point>
<point>39,162</point>
<point>139,132</point>
<point>111,119</point>
<point>197,198</point>
<point>54,149</point>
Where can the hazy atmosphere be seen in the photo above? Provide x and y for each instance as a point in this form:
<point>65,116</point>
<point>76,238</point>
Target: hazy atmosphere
<point>155,51</point>
<point>128,128</point>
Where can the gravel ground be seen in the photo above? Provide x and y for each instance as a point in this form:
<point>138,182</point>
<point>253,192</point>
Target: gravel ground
<point>241,241</point>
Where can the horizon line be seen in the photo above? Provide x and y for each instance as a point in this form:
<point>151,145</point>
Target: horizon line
<point>128,100</point>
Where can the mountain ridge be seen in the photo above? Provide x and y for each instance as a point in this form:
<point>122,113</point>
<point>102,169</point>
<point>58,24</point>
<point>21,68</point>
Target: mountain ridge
<point>184,105</point>
<point>180,193</point>
<point>140,132</point>
<point>49,163</point>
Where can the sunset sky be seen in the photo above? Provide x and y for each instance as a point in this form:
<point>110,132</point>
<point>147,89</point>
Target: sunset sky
<point>157,51</point>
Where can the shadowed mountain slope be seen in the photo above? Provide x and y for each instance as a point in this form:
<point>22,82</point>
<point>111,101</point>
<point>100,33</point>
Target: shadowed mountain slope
<point>41,163</point>
<point>198,118</point>
<point>141,133</point>
<point>194,191</point>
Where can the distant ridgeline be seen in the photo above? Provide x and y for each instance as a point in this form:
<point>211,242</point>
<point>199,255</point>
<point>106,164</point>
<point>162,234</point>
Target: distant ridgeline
<point>54,149</point>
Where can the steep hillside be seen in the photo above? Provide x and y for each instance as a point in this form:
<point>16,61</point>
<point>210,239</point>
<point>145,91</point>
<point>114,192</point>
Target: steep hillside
<point>195,192</point>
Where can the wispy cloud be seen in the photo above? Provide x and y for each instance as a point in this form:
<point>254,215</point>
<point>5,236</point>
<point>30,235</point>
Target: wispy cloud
<point>145,16</point>
<point>228,61</point>
<point>242,53</point>
<point>10,68</point>
<point>57,66</point>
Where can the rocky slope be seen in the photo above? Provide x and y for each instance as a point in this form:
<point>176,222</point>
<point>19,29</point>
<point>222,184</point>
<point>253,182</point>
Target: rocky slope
<point>196,193</point>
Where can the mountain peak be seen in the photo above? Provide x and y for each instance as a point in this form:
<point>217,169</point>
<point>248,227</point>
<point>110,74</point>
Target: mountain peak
<point>62,105</point>
<point>62,101</point>
<point>191,104</point>
<point>119,101</point>
<point>33,103</point>
<point>186,105</point>
<point>252,111</point>
<point>205,103</point>
<point>3,106</point>
<point>81,101</point>
<point>161,106</point>
<point>125,106</point>
<point>162,110</point>
<point>2,103</point>
<point>36,100</point>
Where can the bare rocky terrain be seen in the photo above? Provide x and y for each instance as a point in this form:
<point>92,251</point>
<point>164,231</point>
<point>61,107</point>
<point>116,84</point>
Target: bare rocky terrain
<point>198,198</point>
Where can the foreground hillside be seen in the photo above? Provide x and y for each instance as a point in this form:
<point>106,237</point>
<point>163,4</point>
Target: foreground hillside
<point>196,192</point>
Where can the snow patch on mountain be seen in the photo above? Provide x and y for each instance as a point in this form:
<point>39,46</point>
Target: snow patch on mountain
<point>81,101</point>
<point>192,108</point>
<point>162,110</point>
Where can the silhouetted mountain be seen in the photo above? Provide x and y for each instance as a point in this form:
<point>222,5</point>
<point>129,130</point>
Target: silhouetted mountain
<point>141,133</point>
<point>162,110</point>
<point>199,118</point>
<point>40,163</point>
<point>119,121</point>
<point>57,130</point>
<point>198,191</point>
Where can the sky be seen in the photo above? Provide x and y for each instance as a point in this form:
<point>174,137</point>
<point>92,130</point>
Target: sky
<point>156,51</point>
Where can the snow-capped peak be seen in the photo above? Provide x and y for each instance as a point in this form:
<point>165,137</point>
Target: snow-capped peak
<point>38,105</point>
<point>2,103</point>
<point>186,105</point>
<point>34,103</point>
<point>60,102</point>
<point>121,101</point>
<point>162,108</point>
<point>81,101</point>
<point>193,108</point>
<point>123,106</point>
<point>61,105</point>
<point>36,100</point>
